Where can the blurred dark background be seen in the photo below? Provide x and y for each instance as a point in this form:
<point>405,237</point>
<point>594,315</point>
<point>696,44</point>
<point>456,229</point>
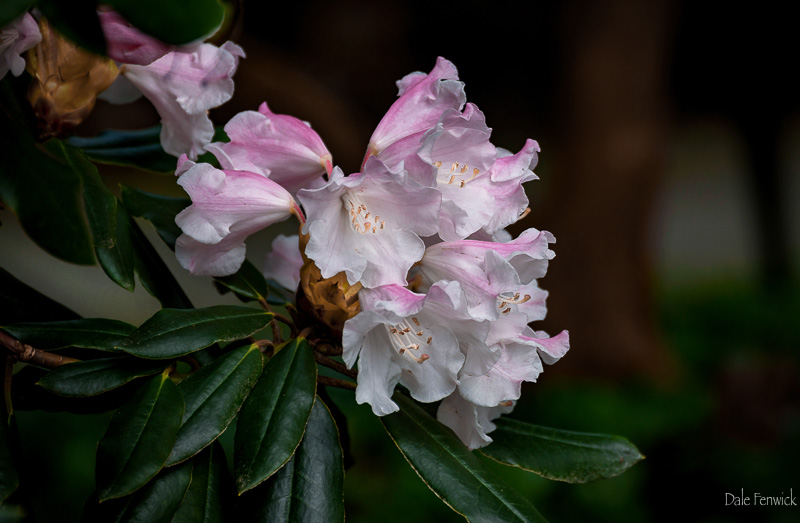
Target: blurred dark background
<point>670,175</point>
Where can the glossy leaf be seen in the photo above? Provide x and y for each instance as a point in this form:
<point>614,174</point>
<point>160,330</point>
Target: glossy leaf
<point>275,414</point>
<point>39,185</point>
<point>213,395</point>
<point>158,210</point>
<point>10,10</point>
<point>450,470</point>
<point>154,274</point>
<point>118,261</point>
<point>170,333</point>
<point>18,302</point>
<point>563,455</point>
<point>157,502</point>
<point>86,333</point>
<point>9,477</point>
<point>211,494</point>
<point>77,20</point>
<point>139,438</point>
<point>140,148</point>
<point>310,486</point>
<point>247,282</point>
<point>176,22</point>
<point>92,377</point>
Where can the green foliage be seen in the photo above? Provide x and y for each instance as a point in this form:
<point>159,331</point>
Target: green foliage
<point>10,10</point>
<point>176,332</point>
<point>88,333</point>
<point>175,22</point>
<point>140,148</point>
<point>77,20</point>
<point>139,439</point>
<point>18,302</point>
<point>309,487</point>
<point>563,455</point>
<point>211,494</point>
<point>247,282</point>
<point>214,394</point>
<point>92,377</point>
<point>118,260</point>
<point>451,471</point>
<point>158,210</point>
<point>274,416</point>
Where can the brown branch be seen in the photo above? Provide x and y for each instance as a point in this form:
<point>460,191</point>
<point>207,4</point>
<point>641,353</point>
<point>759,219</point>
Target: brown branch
<point>266,347</point>
<point>286,321</point>
<point>341,368</point>
<point>334,382</point>
<point>328,348</point>
<point>28,354</point>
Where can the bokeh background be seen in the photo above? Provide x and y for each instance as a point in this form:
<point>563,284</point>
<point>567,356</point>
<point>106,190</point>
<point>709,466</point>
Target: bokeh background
<point>670,174</point>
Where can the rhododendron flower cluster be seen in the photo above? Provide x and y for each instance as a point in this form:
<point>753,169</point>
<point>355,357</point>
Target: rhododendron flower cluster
<point>446,293</point>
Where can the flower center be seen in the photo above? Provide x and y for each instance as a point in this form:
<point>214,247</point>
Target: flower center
<point>457,175</point>
<point>361,219</point>
<point>504,299</point>
<point>407,338</point>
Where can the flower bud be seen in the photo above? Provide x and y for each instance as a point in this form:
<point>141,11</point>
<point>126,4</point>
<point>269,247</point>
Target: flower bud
<point>332,301</point>
<point>66,81</point>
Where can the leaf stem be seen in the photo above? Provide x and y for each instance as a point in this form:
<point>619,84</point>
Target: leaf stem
<point>335,382</point>
<point>28,354</point>
<point>341,368</point>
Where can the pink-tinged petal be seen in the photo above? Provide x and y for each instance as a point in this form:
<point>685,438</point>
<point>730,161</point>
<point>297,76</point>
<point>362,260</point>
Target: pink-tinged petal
<point>481,283</point>
<point>280,147</point>
<point>366,225</point>
<point>518,362</point>
<point>184,164</point>
<point>402,155</point>
<point>510,204</point>
<point>422,101</point>
<point>377,376</point>
<point>392,298</point>
<point>284,262</point>
<point>550,349</point>
<point>224,201</point>
<point>470,422</point>
<point>128,45</point>
<point>436,377</point>
<point>220,259</point>
<point>16,38</point>
<point>518,166</point>
<point>183,87</point>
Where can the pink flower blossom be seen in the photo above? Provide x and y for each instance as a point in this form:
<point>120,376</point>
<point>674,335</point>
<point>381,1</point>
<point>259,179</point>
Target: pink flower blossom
<point>16,38</point>
<point>128,45</point>
<point>367,225</point>
<point>280,147</point>
<point>227,206</point>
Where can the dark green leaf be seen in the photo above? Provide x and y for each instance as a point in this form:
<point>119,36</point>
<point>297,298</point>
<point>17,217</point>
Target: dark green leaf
<point>213,396</point>
<point>77,20</point>
<point>170,333</point>
<point>10,10</point>
<point>154,275</point>
<point>211,494</point>
<point>139,438</point>
<point>39,184</point>
<point>100,204</point>
<point>118,260</point>
<point>92,377</point>
<point>563,455</point>
<point>87,333</point>
<point>158,210</point>
<point>140,148</point>
<point>450,470</point>
<point>275,414</point>
<point>18,302</point>
<point>247,282</point>
<point>157,502</point>
<point>174,22</point>
<point>310,486</point>
<point>9,478</point>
